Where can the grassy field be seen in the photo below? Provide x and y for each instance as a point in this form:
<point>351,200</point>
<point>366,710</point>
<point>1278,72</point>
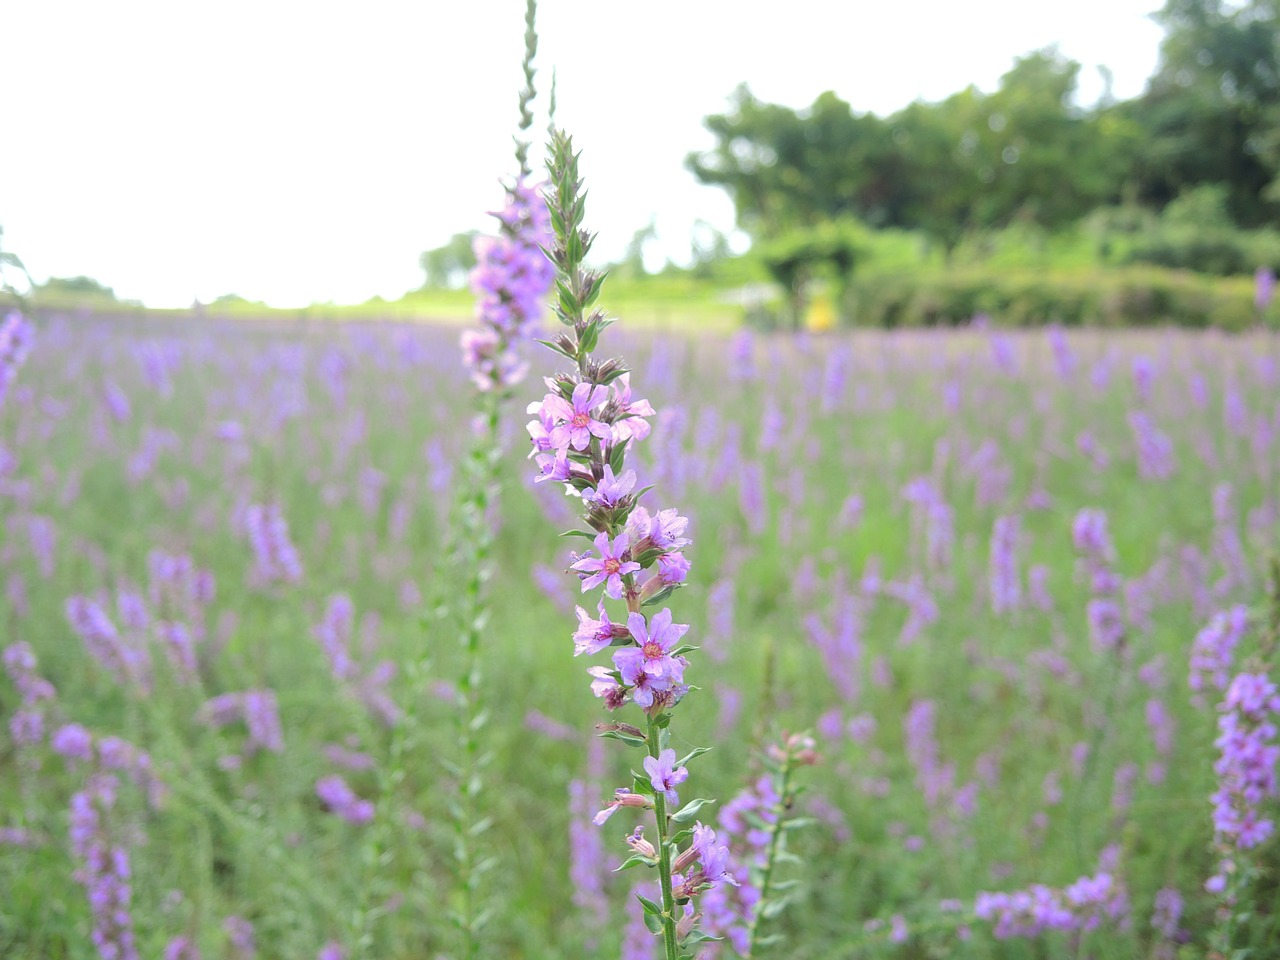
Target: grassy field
<point>843,493</point>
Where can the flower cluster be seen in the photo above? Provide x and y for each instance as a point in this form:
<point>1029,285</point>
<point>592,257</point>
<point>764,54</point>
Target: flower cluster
<point>15,344</point>
<point>276,558</point>
<point>1106,618</point>
<point>1083,906</point>
<point>26,725</point>
<point>258,710</point>
<point>580,439</point>
<point>1006,587</point>
<point>103,868</point>
<point>510,280</point>
<point>1214,647</point>
<point>123,654</point>
<point>1246,768</point>
<point>368,683</point>
<point>340,800</point>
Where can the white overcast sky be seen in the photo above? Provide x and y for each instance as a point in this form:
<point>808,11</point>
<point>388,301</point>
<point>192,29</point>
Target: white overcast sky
<point>300,152</point>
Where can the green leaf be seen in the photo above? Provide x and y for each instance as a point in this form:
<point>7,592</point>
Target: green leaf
<point>654,923</point>
<point>635,860</point>
<point>613,375</point>
<point>590,337</point>
<point>659,597</point>
<point>550,345</point>
<point>621,737</point>
<point>773,908</point>
<point>699,936</point>
<point>798,822</point>
<point>617,458</point>
<point>649,906</point>
<point>567,302</point>
<point>692,754</point>
<point>681,837</point>
<point>585,534</point>
<point>690,810</point>
<point>641,785</point>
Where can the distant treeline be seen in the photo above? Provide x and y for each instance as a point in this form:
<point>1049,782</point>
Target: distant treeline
<point>1209,120</point>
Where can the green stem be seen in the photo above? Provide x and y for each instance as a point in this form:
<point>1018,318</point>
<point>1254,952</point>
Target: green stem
<point>477,533</point>
<point>775,839</point>
<point>664,857</point>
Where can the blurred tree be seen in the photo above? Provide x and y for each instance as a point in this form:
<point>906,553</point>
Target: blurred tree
<point>708,246</point>
<point>448,266</point>
<point>1211,114</point>
<point>828,251</point>
<point>633,258</point>
<point>972,162</point>
<point>786,168</point>
<point>76,288</point>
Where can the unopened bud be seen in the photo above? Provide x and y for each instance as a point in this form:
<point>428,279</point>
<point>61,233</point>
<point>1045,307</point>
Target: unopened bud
<point>686,859</point>
<point>686,924</point>
<point>621,798</point>
<point>640,845</point>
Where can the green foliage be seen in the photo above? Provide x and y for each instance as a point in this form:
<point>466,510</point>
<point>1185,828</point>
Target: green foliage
<point>76,288</point>
<point>1195,232</point>
<point>831,249</point>
<point>1131,297</point>
<point>447,266</point>
<point>1025,154</point>
<point>974,161</point>
<point>1211,112</point>
<point>785,168</point>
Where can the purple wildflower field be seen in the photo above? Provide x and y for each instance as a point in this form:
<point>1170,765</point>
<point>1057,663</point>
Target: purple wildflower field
<point>1012,585</point>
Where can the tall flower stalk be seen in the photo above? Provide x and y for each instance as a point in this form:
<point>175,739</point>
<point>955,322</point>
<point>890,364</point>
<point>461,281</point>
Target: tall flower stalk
<point>585,427</point>
<point>511,280</point>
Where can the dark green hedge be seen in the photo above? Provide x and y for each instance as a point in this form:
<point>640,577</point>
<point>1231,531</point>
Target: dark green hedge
<point>1220,251</point>
<point>1124,297</point>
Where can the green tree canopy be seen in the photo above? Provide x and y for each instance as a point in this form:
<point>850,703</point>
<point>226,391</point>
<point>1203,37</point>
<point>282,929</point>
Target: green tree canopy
<point>1211,114</point>
<point>973,161</point>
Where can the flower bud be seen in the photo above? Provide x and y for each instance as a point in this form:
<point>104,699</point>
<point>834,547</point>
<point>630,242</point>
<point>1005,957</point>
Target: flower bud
<point>686,924</point>
<point>640,845</point>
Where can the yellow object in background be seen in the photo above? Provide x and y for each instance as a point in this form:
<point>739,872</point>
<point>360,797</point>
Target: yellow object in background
<point>821,315</point>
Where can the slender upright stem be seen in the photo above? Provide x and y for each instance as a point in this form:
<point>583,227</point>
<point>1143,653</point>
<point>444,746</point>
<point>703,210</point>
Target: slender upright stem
<point>771,859</point>
<point>478,536</point>
<point>664,857</point>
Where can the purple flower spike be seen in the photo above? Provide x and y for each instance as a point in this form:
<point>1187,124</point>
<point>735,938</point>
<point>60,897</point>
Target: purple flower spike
<point>665,775</point>
<point>610,568</point>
